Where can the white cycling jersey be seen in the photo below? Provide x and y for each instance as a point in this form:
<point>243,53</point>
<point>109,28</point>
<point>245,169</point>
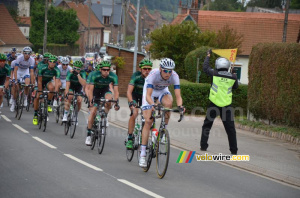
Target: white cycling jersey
<point>12,67</point>
<point>24,66</point>
<point>64,72</point>
<point>159,86</point>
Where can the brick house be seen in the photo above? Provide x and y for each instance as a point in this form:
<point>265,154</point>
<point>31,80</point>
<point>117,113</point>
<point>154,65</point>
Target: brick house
<point>11,35</point>
<point>96,28</point>
<point>124,75</point>
<point>256,28</point>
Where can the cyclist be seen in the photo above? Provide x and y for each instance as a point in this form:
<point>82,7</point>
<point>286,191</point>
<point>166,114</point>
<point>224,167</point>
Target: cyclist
<point>64,69</point>
<point>75,81</point>
<point>12,67</point>
<point>99,82</point>
<point>156,85</point>
<point>12,55</point>
<point>4,76</point>
<point>23,72</point>
<point>45,77</point>
<point>135,93</point>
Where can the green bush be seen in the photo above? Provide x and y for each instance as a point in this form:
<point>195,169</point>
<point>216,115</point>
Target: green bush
<point>59,49</point>
<point>190,64</point>
<point>195,96</point>
<point>274,82</point>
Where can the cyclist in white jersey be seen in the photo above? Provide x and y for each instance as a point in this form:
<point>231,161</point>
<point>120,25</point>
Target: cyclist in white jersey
<point>64,69</point>
<point>156,86</point>
<point>23,72</point>
<point>12,67</point>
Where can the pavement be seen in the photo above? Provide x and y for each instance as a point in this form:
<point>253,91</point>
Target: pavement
<point>269,157</point>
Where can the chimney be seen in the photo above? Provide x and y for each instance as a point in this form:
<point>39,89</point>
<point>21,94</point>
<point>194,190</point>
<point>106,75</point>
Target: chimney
<point>179,7</point>
<point>98,2</point>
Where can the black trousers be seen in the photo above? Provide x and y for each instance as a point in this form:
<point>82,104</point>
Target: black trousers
<point>227,116</point>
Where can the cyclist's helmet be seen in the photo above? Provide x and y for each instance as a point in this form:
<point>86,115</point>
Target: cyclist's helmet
<point>222,63</point>
<point>145,62</point>
<point>98,66</point>
<point>13,49</point>
<point>78,63</point>
<point>64,60</point>
<point>47,55</point>
<point>27,49</point>
<point>167,63</point>
<point>105,64</point>
<point>52,58</point>
<point>3,57</point>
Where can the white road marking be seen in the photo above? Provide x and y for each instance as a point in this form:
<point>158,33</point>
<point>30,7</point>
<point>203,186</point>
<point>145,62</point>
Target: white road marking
<point>139,188</point>
<point>6,118</point>
<point>20,128</point>
<point>83,162</point>
<point>44,142</point>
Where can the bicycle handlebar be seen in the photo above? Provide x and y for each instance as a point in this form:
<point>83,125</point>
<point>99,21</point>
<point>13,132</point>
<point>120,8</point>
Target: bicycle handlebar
<point>160,108</point>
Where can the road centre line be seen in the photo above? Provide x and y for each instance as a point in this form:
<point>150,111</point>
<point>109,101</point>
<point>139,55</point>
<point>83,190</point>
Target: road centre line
<point>20,128</point>
<point>6,118</point>
<point>139,188</point>
<point>44,142</point>
<point>83,162</point>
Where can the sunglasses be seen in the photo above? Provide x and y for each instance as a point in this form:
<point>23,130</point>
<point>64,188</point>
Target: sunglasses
<point>105,69</point>
<point>147,69</point>
<point>52,61</point>
<point>2,61</point>
<point>64,64</point>
<point>27,53</point>
<point>167,71</point>
<point>77,69</point>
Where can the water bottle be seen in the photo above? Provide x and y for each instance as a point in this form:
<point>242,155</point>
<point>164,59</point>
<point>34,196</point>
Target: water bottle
<point>136,129</point>
<point>154,135</point>
<point>71,108</point>
<point>97,118</point>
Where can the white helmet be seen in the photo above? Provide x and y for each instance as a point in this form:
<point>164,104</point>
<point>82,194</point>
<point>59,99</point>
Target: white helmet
<point>27,49</point>
<point>65,60</point>
<point>167,63</point>
<point>222,63</point>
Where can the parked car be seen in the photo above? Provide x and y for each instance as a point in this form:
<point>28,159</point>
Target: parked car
<point>89,57</point>
<point>102,51</point>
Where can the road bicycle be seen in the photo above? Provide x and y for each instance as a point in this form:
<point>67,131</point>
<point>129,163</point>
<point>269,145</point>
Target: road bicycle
<point>20,99</point>
<point>59,110</point>
<point>43,109</point>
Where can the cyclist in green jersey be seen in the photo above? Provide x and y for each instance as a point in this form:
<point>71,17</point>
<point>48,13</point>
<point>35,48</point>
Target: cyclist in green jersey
<point>135,93</point>
<point>45,77</point>
<point>75,81</point>
<point>4,76</point>
<point>99,82</point>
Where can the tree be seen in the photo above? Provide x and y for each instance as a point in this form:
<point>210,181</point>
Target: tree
<point>295,4</point>
<point>14,13</point>
<point>226,5</point>
<point>175,42</point>
<point>62,25</point>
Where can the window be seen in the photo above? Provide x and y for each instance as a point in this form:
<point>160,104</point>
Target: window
<point>106,20</point>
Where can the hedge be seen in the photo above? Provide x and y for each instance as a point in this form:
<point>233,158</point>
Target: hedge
<point>190,64</point>
<point>195,96</point>
<point>58,49</point>
<point>274,88</point>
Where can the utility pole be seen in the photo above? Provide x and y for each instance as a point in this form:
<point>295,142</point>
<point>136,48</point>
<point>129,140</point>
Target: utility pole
<point>287,5</point>
<point>89,23</point>
<point>136,35</point>
<point>124,21</point>
<point>45,27</point>
<point>140,34</point>
<point>112,22</point>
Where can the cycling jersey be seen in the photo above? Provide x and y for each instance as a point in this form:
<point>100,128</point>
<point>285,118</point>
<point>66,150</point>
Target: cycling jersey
<point>64,72</point>
<point>159,86</point>
<point>87,72</point>
<point>73,79</point>
<point>4,72</point>
<point>99,82</point>
<point>138,81</point>
<point>12,65</point>
<point>48,74</point>
<point>10,59</point>
<point>25,64</point>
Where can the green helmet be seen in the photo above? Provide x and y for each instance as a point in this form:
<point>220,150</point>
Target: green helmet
<point>47,55</point>
<point>78,63</point>
<point>98,66</point>
<point>105,64</point>
<point>3,57</point>
<point>52,58</point>
<point>145,62</point>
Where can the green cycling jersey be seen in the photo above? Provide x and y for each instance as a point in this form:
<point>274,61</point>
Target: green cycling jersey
<point>48,74</point>
<point>95,78</point>
<point>138,81</point>
<point>73,79</point>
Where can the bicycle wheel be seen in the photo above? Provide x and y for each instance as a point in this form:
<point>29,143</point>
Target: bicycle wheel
<point>20,105</point>
<point>67,125</point>
<point>57,114</point>
<point>61,111</point>
<point>94,138</point>
<point>149,154</point>
<point>40,116</point>
<point>29,99</point>
<point>162,153</point>
<point>45,115</point>
<point>130,152</point>
<point>74,121</point>
<point>101,135</point>
<point>17,106</point>
<point>7,96</point>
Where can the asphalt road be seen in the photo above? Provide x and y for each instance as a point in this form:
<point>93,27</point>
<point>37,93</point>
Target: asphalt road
<point>50,164</point>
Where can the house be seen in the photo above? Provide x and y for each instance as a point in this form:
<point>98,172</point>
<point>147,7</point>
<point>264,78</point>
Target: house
<point>11,35</point>
<point>103,12</point>
<point>96,28</point>
<point>256,28</point>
